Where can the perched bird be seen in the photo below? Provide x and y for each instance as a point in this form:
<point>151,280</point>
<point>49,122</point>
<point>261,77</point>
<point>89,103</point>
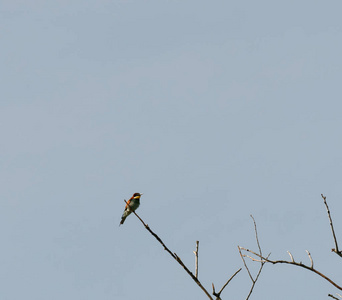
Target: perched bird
<point>132,205</point>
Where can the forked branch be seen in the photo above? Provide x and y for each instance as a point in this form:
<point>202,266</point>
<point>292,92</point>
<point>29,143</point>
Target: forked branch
<point>174,256</point>
<point>178,259</point>
<point>218,295</point>
<point>292,262</point>
<point>254,280</point>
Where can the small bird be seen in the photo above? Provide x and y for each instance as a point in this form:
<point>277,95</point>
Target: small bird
<point>132,205</point>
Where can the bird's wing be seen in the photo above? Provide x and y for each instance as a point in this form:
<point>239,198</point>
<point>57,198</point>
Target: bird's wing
<point>128,203</point>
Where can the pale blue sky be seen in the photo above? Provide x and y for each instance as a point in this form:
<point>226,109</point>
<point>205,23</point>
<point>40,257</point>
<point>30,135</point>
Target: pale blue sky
<point>213,110</point>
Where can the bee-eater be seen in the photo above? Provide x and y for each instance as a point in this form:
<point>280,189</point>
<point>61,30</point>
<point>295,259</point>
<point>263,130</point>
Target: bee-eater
<point>132,205</point>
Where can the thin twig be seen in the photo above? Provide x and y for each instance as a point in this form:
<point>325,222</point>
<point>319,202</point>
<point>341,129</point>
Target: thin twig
<point>229,280</point>
<point>175,256</point>
<point>196,259</point>
<point>244,262</point>
<point>290,255</point>
<point>310,259</point>
<point>256,235</point>
<point>261,261</point>
<point>336,250</point>
<point>300,264</point>
<point>218,295</point>
<point>329,295</point>
<point>256,278</point>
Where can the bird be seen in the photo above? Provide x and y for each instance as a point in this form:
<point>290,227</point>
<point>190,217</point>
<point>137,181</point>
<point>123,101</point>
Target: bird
<point>132,205</point>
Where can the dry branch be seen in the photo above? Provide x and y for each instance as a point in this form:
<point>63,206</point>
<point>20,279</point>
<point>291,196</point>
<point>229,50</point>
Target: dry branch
<point>292,262</point>
<point>336,250</point>
<point>218,295</point>
<point>175,256</point>
<point>196,259</point>
<point>254,280</point>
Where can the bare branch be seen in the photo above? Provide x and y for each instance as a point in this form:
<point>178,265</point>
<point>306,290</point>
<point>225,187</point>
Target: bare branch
<point>336,250</point>
<point>262,262</point>
<point>256,278</point>
<point>300,264</point>
<point>329,295</point>
<point>244,262</point>
<point>231,277</point>
<point>290,255</point>
<point>256,235</point>
<point>310,259</point>
<point>218,295</point>
<point>174,255</point>
<point>196,259</point>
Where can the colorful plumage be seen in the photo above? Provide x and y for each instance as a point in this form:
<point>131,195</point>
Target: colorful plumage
<point>132,205</point>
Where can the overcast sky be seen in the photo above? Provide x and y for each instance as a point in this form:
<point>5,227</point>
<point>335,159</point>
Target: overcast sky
<point>215,110</point>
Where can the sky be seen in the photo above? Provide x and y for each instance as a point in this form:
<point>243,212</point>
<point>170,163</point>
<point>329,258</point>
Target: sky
<point>214,110</point>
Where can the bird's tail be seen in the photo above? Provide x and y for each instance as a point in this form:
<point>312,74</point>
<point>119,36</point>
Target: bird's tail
<point>122,220</point>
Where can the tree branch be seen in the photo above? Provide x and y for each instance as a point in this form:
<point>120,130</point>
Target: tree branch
<point>218,295</point>
<point>196,259</point>
<point>336,250</point>
<point>174,256</point>
<point>244,262</point>
<point>292,262</point>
